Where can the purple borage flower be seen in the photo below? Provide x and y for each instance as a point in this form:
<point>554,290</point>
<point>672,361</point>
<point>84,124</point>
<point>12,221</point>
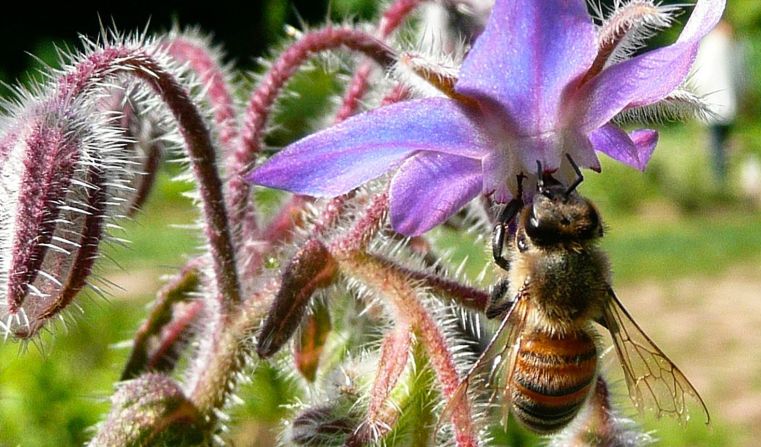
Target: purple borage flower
<point>539,83</point>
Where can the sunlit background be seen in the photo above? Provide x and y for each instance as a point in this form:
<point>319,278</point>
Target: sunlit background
<point>685,247</point>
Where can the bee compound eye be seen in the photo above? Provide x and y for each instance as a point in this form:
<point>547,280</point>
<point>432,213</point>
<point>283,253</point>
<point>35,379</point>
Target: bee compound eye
<point>521,242</point>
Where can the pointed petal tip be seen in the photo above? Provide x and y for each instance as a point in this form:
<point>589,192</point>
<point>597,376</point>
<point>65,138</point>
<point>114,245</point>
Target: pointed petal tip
<point>648,77</point>
<point>645,140</point>
<point>633,149</point>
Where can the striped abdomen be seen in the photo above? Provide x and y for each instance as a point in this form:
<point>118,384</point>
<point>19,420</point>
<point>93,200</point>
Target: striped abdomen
<point>552,377</point>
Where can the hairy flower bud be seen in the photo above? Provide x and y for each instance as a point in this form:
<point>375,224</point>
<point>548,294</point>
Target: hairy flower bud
<point>312,268</point>
<point>151,410</point>
<point>320,426</point>
<point>143,134</point>
<point>63,171</point>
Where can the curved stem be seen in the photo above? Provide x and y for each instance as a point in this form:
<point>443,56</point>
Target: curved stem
<point>392,18</point>
<point>263,98</point>
<point>406,306</point>
<point>110,61</point>
<point>225,353</point>
<point>201,59</point>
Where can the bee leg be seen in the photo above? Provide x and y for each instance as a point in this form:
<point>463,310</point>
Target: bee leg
<point>504,218</point>
<point>495,309</point>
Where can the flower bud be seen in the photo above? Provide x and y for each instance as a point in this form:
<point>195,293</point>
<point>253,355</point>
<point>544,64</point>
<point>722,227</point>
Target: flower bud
<point>143,137</point>
<point>63,171</point>
<point>151,410</point>
<point>312,268</point>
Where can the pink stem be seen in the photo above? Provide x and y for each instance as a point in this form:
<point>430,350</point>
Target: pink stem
<point>408,309</point>
<point>395,15</point>
<point>140,63</point>
<point>392,18</point>
<point>463,295</point>
<point>364,228</point>
<point>263,98</point>
<point>212,76</point>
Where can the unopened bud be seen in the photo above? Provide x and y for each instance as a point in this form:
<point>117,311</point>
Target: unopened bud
<point>143,142</point>
<point>150,410</point>
<point>61,173</point>
<point>312,268</point>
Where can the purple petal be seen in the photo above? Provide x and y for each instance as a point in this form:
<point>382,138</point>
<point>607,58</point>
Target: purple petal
<point>645,140</point>
<point>500,176</point>
<point>579,147</point>
<point>634,150</point>
<point>647,78</point>
<point>431,187</point>
<point>527,55</point>
<point>340,158</point>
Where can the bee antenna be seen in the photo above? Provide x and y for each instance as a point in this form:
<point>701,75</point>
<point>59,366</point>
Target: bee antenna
<point>539,176</point>
<point>579,176</point>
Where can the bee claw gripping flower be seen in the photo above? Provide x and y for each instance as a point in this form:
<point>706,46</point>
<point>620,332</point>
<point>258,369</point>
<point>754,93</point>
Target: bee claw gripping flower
<point>539,83</point>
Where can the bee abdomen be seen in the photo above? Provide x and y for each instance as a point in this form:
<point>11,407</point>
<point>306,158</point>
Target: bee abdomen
<point>552,378</point>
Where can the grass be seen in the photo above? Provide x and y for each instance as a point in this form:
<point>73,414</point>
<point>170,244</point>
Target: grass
<point>642,248</point>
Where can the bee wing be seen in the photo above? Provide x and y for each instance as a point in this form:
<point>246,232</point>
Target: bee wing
<point>503,364</point>
<point>653,380</point>
<point>495,354</point>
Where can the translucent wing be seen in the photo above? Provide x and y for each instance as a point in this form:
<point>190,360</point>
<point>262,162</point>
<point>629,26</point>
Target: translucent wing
<point>497,356</point>
<point>654,382</point>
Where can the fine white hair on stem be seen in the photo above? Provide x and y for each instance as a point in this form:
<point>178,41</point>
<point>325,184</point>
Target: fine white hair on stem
<point>680,105</point>
<point>627,26</point>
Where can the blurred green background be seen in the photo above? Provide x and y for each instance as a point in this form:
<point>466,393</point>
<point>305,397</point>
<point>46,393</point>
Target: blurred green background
<point>686,252</point>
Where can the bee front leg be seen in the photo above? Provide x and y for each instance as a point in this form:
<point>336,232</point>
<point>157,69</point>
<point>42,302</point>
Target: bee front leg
<point>501,229</point>
<point>496,307</point>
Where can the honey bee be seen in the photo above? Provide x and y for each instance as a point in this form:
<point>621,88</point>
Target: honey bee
<point>557,288</point>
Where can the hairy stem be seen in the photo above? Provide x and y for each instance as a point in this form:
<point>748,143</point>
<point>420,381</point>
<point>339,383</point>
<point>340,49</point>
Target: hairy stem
<point>209,71</point>
<point>392,18</point>
<point>365,227</point>
<point>141,63</point>
<point>225,353</point>
<point>464,295</point>
<point>637,17</point>
<point>263,98</point>
<point>406,306</point>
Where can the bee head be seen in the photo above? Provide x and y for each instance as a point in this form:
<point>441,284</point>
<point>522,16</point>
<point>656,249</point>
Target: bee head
<point>560,214</point>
